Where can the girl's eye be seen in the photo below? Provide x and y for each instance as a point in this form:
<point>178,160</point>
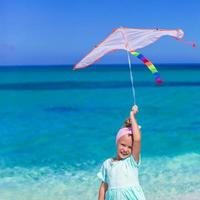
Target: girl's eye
<point>123,145</point>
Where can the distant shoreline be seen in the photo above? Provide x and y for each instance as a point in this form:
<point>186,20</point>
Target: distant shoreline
<point>160,66</point>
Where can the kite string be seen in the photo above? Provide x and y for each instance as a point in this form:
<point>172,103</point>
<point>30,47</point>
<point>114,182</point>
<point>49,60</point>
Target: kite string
<point>129,64</point>
<point>131,77</point>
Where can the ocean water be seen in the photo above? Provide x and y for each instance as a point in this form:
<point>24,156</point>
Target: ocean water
<point>57,126</point>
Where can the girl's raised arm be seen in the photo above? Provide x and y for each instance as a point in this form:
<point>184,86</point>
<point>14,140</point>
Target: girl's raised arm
<point>136,134</point>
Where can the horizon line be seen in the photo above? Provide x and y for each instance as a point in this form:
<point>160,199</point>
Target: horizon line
<point>69,65</point>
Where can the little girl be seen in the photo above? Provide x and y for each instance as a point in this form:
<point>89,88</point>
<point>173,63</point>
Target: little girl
<point>119,175</point>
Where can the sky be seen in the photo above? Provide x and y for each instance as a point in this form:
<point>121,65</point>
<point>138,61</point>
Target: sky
<point>49,32</point>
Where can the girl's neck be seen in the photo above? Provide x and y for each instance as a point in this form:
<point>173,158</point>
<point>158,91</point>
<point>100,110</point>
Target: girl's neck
<point>116,159</point>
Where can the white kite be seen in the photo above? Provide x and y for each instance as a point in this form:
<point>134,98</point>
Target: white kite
<point>130,40</point>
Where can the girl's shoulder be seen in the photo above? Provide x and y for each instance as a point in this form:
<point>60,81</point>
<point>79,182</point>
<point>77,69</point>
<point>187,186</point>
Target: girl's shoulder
<point>107,162</point>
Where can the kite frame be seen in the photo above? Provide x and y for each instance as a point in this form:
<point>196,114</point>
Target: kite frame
<point>103,41</point>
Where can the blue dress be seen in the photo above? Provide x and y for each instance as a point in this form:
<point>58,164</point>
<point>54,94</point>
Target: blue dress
<point>122,179</point>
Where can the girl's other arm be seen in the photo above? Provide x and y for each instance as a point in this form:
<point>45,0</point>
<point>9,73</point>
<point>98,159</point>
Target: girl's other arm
<point>102,191</point>
<point>136,134</point>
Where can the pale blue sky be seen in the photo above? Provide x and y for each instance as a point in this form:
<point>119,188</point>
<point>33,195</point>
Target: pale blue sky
<point>61,32</point>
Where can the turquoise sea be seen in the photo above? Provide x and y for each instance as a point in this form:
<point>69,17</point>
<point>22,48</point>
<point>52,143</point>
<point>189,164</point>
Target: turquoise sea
<point>57,126</point>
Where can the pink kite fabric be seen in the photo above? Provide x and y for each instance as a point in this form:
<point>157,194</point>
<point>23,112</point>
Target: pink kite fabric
<point>129,39</point>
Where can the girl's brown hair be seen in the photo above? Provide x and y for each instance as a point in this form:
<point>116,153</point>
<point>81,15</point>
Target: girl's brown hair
<point>127,123</point>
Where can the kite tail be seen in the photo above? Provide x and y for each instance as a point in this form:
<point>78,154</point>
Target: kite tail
<point>193,44</point>
<point>150,65</point>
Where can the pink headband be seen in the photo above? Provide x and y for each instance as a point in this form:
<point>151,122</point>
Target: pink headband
<point>123,131</point>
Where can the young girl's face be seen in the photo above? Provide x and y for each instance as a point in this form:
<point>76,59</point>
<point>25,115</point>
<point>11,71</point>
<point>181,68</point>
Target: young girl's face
<point>124,147</point>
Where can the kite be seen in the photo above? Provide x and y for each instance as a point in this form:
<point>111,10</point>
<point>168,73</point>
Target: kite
<point>130,39</point>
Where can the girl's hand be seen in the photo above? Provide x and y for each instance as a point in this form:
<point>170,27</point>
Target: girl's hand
<point>134,111</point>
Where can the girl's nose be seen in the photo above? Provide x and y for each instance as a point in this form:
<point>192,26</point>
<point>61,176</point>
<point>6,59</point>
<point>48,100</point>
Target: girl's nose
<point>125,149</point>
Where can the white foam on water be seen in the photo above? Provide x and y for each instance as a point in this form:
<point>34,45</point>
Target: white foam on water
<point>171,177</point>
<point>46,184</point>
<point>162,178</point>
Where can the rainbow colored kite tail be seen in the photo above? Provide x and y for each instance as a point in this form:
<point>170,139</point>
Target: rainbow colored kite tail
<point>149,64</point>
<point>157,78</point>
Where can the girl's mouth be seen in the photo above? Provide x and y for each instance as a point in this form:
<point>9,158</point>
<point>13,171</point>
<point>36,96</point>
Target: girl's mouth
<point>124,154</point>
